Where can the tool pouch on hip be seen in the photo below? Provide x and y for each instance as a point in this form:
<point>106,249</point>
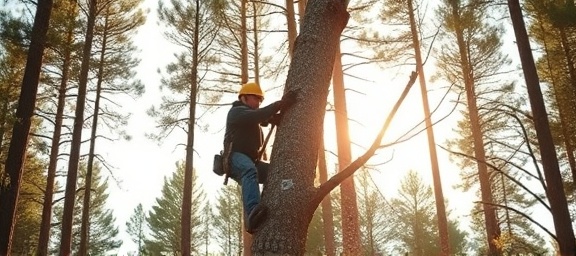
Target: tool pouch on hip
<point>218,165</point>
<point>262,171</point>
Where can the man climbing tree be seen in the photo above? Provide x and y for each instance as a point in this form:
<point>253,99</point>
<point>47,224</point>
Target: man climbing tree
<point>242,143</point>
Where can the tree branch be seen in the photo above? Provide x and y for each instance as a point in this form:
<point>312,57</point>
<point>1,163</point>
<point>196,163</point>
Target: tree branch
<point>329,185</point>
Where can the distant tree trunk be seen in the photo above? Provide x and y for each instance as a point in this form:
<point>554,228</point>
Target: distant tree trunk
<point>246,237</point>
<point>290,194</point>
<point>301,10</point>
<point>439,196</point>
<point>348,203</point>
<point>554,184</point>
<point>45,225</point>
<point>189,166</point>
<point>3,121</point>
<point>291,24</point>
<point>492,229</point>
<point>85,226</point>
<point>256,42</point>
<point>243,42</point>
<point>327,215</point>
<point>11,180</point>
<point>71,179</point>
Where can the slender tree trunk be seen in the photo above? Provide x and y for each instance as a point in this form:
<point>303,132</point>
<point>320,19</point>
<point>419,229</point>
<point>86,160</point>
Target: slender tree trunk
<point>256,42</point>
<point>291,23</point>
<point>85,226</point>
<point>70,194</point>
<point>189,166</point>
<point>11,180</point>
<point>349,205</point>
<point>327,215</point>
<point>3,116</point>
<point>554,184</point>
<point>506,210</point>
<point>45,225</point>
<point>439,195</point>
<point>492,229</point>
<point>289,194</point>
<point>244,42</point>
<point>246,237</point>
<point>301,10</point>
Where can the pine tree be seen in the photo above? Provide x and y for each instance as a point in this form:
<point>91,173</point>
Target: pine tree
<point>11,177</point>
<point>472,60</point>
<point>164,221</point>
<point>59,57</point>
<point>228,220</point>
<point>554,70</point>
<point>415,226</point>
<point>136,228</point>
<point>115,74</point>
<point>73,161</point>
<point>103,238</point>
<point>28,211</point>
<point>374,215</point>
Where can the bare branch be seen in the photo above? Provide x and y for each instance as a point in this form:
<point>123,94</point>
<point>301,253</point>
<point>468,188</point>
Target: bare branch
<point>329,185</point>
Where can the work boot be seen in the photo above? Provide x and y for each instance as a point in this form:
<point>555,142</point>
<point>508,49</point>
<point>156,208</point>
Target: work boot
<point>256,217</point>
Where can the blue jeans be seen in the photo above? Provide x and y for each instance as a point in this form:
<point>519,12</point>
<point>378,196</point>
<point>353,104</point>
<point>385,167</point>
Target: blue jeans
<point>244,172</point>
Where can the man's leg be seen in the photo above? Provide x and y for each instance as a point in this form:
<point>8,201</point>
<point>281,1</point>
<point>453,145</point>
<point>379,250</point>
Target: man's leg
<point>243,165</point>
<point>254,215</point>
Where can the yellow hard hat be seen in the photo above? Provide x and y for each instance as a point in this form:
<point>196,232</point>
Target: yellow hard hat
<point>251,88</point>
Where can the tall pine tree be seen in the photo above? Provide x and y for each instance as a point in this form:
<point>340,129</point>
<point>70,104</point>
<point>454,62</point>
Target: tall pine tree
<point>103,230</point>
<point>164,220</point>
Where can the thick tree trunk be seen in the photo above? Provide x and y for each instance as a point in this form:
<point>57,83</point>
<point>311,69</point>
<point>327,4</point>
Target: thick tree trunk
<point>492,229</point>
<point>438,194</point>
<point>189,165</point>
<point>290,189</point>
<point>348,203</point>
<point>554,184</point>
<point>70,194</point>
<point>10,182</point>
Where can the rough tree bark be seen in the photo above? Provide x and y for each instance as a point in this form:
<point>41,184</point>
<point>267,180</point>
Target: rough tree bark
<point>11,180</point>
<point>554,184</point>
<point>290,188</point>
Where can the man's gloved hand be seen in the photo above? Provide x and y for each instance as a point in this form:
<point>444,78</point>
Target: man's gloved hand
<point>289,99</point>
<point>275,119</point>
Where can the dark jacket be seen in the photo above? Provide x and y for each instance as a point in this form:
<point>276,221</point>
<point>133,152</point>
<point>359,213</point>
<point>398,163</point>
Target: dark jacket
<point>243,127</point>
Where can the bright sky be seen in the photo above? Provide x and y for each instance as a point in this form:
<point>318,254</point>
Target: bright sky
<point>142,164</point>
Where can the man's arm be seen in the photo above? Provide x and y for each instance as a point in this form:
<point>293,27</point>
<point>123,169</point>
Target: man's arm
<point>244,114</point>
